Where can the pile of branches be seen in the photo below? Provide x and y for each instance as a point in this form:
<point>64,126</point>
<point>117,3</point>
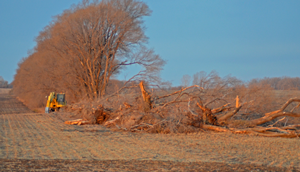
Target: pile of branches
<point>189,109</point>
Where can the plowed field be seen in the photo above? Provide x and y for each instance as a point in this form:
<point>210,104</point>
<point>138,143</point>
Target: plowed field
<point>42,142</point>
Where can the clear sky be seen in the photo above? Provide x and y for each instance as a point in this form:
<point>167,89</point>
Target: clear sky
<point>247,39</point>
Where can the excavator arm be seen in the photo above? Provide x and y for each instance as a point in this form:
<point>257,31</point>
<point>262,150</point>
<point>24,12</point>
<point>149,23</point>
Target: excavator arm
<point>51,97</point>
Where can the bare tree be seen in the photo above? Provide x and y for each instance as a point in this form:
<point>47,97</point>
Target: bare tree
<point>186,80</point>
<point>96,39</point>
<point>279,83</point>
<point>3,83</point>
<point>86,45</point>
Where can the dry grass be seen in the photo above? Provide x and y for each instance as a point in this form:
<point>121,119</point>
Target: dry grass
<point>44,136</point>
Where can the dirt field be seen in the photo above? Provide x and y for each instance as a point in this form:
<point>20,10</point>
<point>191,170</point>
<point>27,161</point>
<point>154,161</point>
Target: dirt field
<point>4,90</point>
<point>42,142</point>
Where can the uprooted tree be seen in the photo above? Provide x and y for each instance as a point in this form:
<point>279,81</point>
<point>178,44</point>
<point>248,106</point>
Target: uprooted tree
<point>220,123</point>
<point>84,47</point>
<point>218,104</point>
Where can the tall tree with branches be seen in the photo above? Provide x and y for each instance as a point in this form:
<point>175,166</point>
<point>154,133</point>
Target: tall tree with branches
<point>92,41</point>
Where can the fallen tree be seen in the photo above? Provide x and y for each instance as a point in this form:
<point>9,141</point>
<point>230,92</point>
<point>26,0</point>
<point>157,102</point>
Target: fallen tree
<point>191,109</point>
<point>220,118</point>
<point>220,123</point>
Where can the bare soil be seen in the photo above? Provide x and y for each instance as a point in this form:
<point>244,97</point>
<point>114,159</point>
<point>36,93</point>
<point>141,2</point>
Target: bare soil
<point>42,142</point>
<point>5,90</point>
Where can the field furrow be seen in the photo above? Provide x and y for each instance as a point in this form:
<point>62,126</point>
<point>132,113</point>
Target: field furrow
<point>36,137</point>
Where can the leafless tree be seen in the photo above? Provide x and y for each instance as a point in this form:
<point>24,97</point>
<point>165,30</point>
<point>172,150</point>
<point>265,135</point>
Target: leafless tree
<point>186,80</point>
<point>279,83</point>
<point>86,45</point>
<point>96,39</point>
<point>3,83</point>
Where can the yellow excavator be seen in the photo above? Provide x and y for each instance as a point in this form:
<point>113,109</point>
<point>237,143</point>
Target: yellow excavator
<point>55,102</point>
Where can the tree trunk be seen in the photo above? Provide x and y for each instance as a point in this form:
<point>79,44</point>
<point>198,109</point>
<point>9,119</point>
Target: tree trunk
<point>147,104</point>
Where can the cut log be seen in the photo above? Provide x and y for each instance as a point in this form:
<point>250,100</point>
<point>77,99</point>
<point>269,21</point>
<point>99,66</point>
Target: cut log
<point>215,128</point>
<point>77,122</point>
<point>73,121</point>
<point>259,131</point>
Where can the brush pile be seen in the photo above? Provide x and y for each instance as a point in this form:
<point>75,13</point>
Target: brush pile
<point>192,109</point>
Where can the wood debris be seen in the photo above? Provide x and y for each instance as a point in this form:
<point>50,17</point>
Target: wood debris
<point>77,122</point>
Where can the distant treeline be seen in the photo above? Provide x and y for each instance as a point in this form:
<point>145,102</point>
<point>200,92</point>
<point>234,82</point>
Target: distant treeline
<point>4,84</point>
<point>276,83</point>
<point>279,83</point>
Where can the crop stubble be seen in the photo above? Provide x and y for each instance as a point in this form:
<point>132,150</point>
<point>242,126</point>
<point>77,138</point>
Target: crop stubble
<point>42,139</point>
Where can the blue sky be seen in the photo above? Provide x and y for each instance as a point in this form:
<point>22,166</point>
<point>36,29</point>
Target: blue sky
<point>246,39</point>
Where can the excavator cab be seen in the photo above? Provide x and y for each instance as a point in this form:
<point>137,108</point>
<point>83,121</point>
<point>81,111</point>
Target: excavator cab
<point>60,98</point>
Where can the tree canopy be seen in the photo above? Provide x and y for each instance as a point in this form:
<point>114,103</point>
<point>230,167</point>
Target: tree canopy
<point>81,49</point>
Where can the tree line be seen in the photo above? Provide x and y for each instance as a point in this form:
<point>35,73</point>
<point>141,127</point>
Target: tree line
<point>279,83</point>
<point>83,48</point>
<point>4,84</point>
<point>276,83</point>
